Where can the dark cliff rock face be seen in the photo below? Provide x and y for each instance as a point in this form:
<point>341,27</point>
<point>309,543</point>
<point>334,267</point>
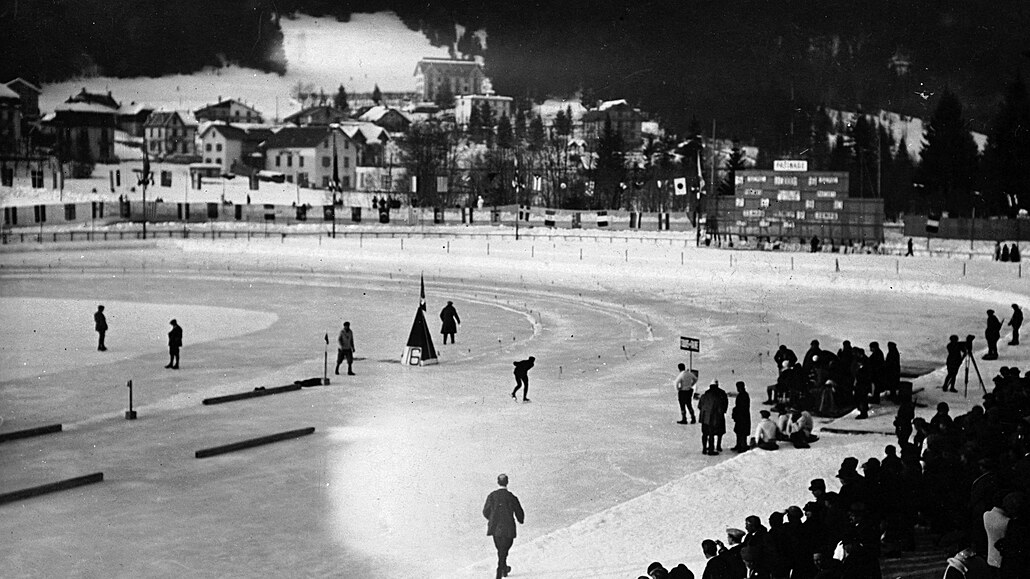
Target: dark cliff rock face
<point>720,60</point>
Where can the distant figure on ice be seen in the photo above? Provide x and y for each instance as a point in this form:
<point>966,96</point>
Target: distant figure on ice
<point>684,383</point>
<point>502,509</point>
<point>100,323</point>
<point>345,349</point>
<point>815,244</point>
<point>1016,321</point>
<point>909,252</point>
<point>712,410</point>
<point>741,418</point>
<point>1014,256</point>
<point>174,344</point>
<point>522,377</point>
<point>451,321</point>
<point>1004,253</point>
<point>992,334</point>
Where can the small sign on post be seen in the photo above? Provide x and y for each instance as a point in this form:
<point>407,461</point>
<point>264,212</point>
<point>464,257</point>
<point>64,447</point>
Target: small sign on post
<point>130,414</point>
<point>691,345</point>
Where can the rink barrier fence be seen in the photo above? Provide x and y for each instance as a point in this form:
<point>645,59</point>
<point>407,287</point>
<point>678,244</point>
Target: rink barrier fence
<point>51,487</point>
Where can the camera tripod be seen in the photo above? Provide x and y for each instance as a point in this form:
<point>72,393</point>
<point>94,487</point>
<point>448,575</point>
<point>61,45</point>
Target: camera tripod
<point>968,355</point>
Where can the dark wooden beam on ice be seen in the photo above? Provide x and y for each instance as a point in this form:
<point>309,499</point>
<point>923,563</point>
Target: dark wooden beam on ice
<point>250,443</point>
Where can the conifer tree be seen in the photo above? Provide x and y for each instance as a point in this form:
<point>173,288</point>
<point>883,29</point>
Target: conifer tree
<point>734,163</point>
<point>1007,154</point>
<point>505,138</point>
<point>520,124</point>
<point>610,172</point>
<point>340,100</point>
<point>949,159</point>
<point>377,95</point>
<point>900,198</point>
<point>537,138</point>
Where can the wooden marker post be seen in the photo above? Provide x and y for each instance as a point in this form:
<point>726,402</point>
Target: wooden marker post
<point>130,414</point>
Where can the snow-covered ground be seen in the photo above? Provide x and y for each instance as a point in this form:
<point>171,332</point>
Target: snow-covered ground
<point>393,480</point>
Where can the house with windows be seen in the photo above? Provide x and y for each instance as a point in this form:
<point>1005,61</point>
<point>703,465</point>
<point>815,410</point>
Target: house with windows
<point>83,127</point>
<point>234,149</point>
<point>29,94</point>
<point>305,155</point>
<point>625,120</point>
<point>171,136</point>
<point>393,120</point>
<point>229,111</point>
<point>500,106</point>
<point>460,76</point>
<point>10,120</point>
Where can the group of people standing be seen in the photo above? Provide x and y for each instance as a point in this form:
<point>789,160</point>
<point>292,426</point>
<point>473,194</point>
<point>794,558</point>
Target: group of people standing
<point>711,410</point>
<point>174,337</point>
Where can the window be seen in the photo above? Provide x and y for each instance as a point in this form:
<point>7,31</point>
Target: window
<point>39,212</point>
<point>185,147</point>
<point>346,182</point>
<point>302,179</point>
<point>289,178</point>
<point>7,177</point>
<point>300,161</point>
<point>346,144</point>
<point>289,160</point>
<point>37,179</point>
<point>218,160</point>
<point>325,181</point>
<point>278,161</point>
<point>218,147</point>
<point>207,159</point>
<point>346,162</point>
<point>166,178</point>
<point>69,212</point>
<point>118,178</point>
<point>207,147</point>
<point>386,182</point>
<point>327,162</point>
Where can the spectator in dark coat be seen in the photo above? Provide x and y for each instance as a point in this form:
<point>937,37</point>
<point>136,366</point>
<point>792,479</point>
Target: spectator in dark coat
<point>956,353</point>
<point>826,566</point>
<point>100,324</point>
<point>876,363</point>
<point>522,368</point>
<point>863,384</point>
<point>992,334</point>
<point>501,510</point>
<point>758,549</point>
<point>1015,321</point>
<point>892,370</point>
<point>811,356</point>
<point>712,412</point>
<point>174,344</point>
<point>715,567</point>
<point>741,418</point>
<point>731,554</point>
<point>785,358</point>
<point>451,321</point>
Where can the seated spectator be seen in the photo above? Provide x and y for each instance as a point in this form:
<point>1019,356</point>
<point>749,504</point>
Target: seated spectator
<point>799,431</point>
<point>766,432</point>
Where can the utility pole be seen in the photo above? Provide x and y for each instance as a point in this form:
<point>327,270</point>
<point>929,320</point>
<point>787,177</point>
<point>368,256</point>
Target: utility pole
<point>144,180</point>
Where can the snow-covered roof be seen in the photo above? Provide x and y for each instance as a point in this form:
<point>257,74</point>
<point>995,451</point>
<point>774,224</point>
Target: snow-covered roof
<point>609,104</point>
<point>24,82</point>
<point>77,107</point>
<point>6,93</point>
<point>367,131</point>
<point>165,118</point>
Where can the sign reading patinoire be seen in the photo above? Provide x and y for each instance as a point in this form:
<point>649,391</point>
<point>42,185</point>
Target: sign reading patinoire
<point>790,165</point>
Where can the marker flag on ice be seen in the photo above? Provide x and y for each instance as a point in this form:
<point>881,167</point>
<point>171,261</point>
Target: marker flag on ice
<point>327,338</point>
<point>422,296</point>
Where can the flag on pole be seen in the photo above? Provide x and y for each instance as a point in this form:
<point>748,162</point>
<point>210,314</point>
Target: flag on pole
<point>422,295</point>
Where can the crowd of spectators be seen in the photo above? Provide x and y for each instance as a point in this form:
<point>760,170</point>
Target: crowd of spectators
<point>965,480</point>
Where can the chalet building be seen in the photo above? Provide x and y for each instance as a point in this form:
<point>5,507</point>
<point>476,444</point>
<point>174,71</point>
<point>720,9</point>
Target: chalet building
<point>132,119</point>
<point>625,120</point>
<point>29,94</point>
<point>229,111</point>
<point>499,106</point>
<point>369,139</point>
<point>305,156</point>
<point>462,76</point>
<point>84,126</point>
<point>171,135</point>
<point>10,120</point>
<point>317,116</point>
<point>392,120</point>
<point>232,148</point>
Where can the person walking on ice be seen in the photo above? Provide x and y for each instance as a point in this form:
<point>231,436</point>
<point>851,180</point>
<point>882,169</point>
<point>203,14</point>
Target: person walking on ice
<point>684,383</point>
<point>451,321</point>
<point>501,510</point>
<point>174,344</point>
<point>100,323</point>
<point>345,349</point>
<point>522,368</point>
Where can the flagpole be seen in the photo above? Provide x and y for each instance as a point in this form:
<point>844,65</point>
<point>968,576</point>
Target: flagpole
<point>325,362</point>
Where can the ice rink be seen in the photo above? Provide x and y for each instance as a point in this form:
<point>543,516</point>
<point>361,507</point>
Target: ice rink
<point>393,480</point>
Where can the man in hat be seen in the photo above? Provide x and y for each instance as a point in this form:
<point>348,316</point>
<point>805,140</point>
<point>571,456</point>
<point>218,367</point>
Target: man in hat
<point>100,324</point>
<point>731,554</point>
<point>451,321</point>
<point>992,334</point>
<point>684,383</point>
<point>1015,321</point>
<point>174,344</point>
<point>818,488</point>
<point>852,489</point>
<point>712,410</point>
<point>501,510</point>
<point>345,349</point>
<point>741,418</point>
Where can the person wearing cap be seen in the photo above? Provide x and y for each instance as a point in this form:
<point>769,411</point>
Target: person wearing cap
<point>174,344</point>
<point>818,488</point>
<point>451,321</point>
<point>501,510</point>
<point>345,349</point>
<point>1015,321</point>
<point>100,324</point>
<point>522,368</point>
<point>712,412</point>
<point>766,432</point>
<point>731,554</point>
<point>741,418</point>
<point>684,383</point>
<point>992,334</point>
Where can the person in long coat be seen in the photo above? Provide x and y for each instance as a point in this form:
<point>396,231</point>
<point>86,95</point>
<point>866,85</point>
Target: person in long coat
<point>741,418</point>
<point>1016,321</point>
<point>100,324</point>
<point>712,414</point>
<point>451,321</point>
<point>501,510</point>
<point>174,344</point>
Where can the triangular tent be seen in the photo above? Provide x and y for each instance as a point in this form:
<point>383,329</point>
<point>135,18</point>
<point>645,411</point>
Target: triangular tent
<point>420,350</point>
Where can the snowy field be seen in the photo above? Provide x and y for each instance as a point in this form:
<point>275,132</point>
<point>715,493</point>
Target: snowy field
<point>393,480</point>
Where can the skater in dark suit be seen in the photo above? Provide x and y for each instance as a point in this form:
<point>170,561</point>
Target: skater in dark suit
<point>451,321</point>
<point>992,334</point>
<point>100,322</point>
<point>502,509</point>
<point>522,377</point>
<point>174,343</point>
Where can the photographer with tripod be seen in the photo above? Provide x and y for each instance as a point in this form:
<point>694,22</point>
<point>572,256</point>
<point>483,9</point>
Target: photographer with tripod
<point>992,334</point>
<point>956,353</point>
